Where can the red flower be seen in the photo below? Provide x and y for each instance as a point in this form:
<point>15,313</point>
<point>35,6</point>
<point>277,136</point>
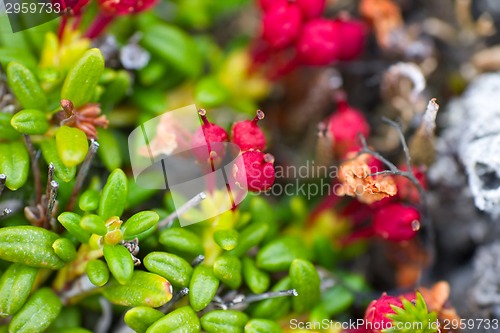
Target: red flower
<point>396,222</point>
<point>377,311</point>
<point>125,7</point>
<point>256,169</point>
<point>248,135</point>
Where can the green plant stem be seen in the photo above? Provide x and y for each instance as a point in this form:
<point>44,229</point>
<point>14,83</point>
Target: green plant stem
<point>82,174</point>
<point>34,167</point>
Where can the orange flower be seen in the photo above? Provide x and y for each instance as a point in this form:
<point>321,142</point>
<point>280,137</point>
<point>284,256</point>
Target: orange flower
<point>385,17</point>
<point>355,179</point>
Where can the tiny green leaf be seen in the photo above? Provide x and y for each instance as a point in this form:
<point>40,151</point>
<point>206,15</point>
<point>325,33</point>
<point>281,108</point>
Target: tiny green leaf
<point>139,223</point>
<point>305,280</point>
<point>72,145</point>
<point>143,288</point>
<point>202,287</point>
<point>89,200</point>
<point>114,195</point>
<point>25,87</point>
<point>49,151</point>
<point>7,132</point>
<point>175,269</point>
<point>227,239</point>
<point>31,246</point>
<point>30,122</point>
<point>227,269</point>
<point>262,326</point>
<point>181,242</point>
<point>98,272</point>
<point>182,320</point>
<point>41,309</point>
<point>227,321</point>
<point>71,222</point>
<point>257,280</point>
<point>141,317</point>
<point>93,224</point>
<point>65,249</point>
<point>120,262</point>
<point>278,255</point>
<point>109,151</point>
<point>14,163</point>
<point>15,286</point>
<point>83,77</point>
<point>249,237</point>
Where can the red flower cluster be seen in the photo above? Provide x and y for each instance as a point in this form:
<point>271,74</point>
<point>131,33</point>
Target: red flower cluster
<point>297,27</point>
<point>393,218</point>
<point>256,169</point>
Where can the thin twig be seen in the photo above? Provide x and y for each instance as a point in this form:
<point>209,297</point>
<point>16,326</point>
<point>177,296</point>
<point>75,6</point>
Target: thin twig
<point>82,174</point>
<point>410,175</point>
<point>5,212</point>
<point>79,287</point>
<point>271,294</point>
<point>51,201</point>
<point>198,260</point>
<point>175,298</point>
<point>193,202</point>
<point>3,179</point>
<point>34,167</point>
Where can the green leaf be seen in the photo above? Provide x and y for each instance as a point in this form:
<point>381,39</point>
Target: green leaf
<point>227,321</point>
<point>7,132</point>
<point>182,320</point>
<point>71,222</point>
<point>249,237</point>
<point>65,249</point>
<point>49,151</point>
<point>89,200</point>
<point>227,239</point>
<point>209,92</point>
<point>114,195</point>
<point>181,242</point>
<point>227,269</point>
<point>14,163</point>
<point>262,326</point>
<point>25,87</point>
<point>120,262</point>
<point>257,280</point>
<point>41,309</point>
<point>98,272</point>
<point>109,151</point>
<point>143,288</point>
<point>279,254</point>
<point>202,287</point>
<point>139,223</point>
<point>93,224</point>
<point>72,145</point>
<point>116,90</point>
<point>305,280</point>
<point>175,269</point>
<point>31,246</point>
<point>15,286</point>
<point>30,122</point>
<point>141,317</point>
<point>174,46</point>
<point>83,77</point>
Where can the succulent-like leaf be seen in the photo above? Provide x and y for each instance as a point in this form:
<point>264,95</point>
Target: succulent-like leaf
<point>31,246</point>
<point>175,269</point>
<point>143,288</point>
<point>25,87</point>
<point>14,163</point>
<point>30,121</point>
<point>83,77</point>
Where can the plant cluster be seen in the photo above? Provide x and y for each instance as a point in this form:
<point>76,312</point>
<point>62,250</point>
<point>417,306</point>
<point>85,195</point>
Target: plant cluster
<point>83,247</point>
